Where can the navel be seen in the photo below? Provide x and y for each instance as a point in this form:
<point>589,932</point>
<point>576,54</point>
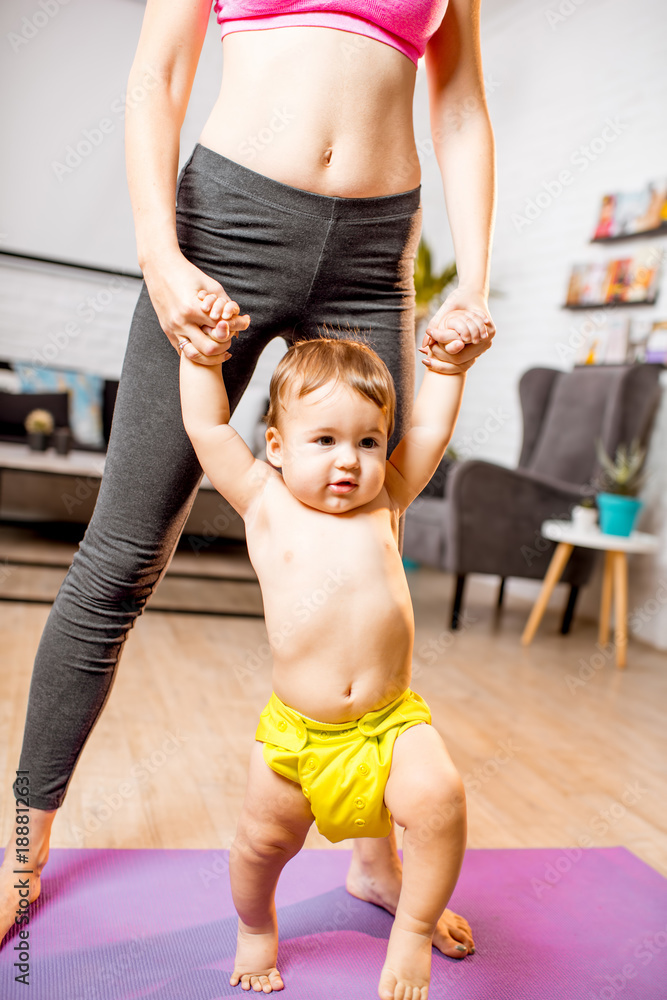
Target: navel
<point>328,153</point>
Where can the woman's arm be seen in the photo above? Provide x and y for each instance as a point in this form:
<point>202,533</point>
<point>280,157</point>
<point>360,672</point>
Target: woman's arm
<point>164,67</point>
<point>163,70</point>
<point>465,149</point>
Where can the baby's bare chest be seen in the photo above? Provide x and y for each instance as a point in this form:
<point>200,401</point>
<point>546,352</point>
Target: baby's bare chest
<point>304,550</point>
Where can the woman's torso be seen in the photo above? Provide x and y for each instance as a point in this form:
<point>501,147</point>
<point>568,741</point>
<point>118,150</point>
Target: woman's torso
<point>317,108</point>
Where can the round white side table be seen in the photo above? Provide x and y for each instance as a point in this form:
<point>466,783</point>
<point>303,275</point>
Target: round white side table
<point>615,576</point>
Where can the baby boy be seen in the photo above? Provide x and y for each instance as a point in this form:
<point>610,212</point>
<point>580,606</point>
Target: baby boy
<point>343,741</point>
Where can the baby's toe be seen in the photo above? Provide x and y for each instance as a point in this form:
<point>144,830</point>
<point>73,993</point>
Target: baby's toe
<point>388,987</point>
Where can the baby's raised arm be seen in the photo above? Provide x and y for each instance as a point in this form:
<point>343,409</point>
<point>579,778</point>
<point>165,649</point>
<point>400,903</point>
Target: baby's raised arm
<point>415,458</point>
<point>223,454</point>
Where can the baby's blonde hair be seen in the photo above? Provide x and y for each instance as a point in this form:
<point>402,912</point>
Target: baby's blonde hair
<point>309,364</point>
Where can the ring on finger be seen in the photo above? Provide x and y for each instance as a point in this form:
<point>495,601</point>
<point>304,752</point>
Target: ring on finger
<point>182,343</point>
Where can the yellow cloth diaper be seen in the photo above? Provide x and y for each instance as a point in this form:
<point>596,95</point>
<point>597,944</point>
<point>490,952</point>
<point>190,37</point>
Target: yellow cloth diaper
<point>342,767</point>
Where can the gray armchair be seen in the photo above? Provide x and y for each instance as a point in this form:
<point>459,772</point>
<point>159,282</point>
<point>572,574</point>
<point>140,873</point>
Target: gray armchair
<point>489,519</point>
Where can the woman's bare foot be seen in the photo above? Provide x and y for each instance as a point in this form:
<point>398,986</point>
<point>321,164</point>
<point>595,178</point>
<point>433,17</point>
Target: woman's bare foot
<point>10,883</point>
<point>11,880</point>
<point>406,973</point>
<point>380,883</point>
<point>256,954</point>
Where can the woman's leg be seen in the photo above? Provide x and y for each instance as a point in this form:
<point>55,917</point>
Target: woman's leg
<point>142,504</point>
<point>151,476</point>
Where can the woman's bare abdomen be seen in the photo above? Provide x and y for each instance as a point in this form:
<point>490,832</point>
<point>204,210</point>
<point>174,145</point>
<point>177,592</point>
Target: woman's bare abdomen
<point>317,108</point>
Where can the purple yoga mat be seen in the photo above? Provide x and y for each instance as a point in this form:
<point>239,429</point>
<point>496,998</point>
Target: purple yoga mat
<point>549,924</point>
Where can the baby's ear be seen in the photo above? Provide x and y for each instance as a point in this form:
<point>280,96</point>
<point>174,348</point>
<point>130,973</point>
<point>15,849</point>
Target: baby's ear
<point>273,447</point>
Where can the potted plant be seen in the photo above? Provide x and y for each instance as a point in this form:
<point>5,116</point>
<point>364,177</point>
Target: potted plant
<point>427,284</point>
<point>621,480</point>
<point>39,426</point>
<point>584,514</point>
<point>430,288</point>
<point>62,439</point>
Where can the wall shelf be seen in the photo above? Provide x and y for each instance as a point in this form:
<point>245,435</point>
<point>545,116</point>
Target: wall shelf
<point>609,305</point>
<point>644,234</point>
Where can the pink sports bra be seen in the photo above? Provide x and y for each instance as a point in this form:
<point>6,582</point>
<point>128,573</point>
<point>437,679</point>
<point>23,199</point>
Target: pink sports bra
<point>406,24</point>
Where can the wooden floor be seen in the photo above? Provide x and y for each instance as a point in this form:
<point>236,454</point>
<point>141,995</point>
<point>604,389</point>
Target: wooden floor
<point>554,743</point>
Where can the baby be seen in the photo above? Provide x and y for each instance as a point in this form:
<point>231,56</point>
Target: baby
<point>343,740</point>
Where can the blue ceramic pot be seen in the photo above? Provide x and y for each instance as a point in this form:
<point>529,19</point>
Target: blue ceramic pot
<point>617,513</point>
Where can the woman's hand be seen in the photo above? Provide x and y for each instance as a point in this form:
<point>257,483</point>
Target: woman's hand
<point>460,331</point>
<point>193,308</point>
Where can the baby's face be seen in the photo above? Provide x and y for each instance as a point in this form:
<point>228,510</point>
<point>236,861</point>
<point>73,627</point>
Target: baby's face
<point>332,449</point>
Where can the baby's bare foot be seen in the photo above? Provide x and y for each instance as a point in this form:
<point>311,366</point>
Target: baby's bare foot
<point>254,965</point>
<point>382,886</point>
<point>406,973</point>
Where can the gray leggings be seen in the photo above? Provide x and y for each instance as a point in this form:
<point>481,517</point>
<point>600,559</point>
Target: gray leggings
<point>294,261</point>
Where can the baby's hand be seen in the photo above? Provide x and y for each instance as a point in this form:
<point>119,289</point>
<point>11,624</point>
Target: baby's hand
<point>466,326</point>
<point>224,314</point>
<point>452,343</point>
<point>453,334</point>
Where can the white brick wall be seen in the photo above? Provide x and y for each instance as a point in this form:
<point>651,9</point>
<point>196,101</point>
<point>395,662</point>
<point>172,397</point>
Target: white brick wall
<point>550,89</point>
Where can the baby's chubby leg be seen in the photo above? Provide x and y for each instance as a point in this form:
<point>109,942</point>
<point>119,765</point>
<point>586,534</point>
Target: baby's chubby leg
<point>272,827</point>
<point>425,795</point>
